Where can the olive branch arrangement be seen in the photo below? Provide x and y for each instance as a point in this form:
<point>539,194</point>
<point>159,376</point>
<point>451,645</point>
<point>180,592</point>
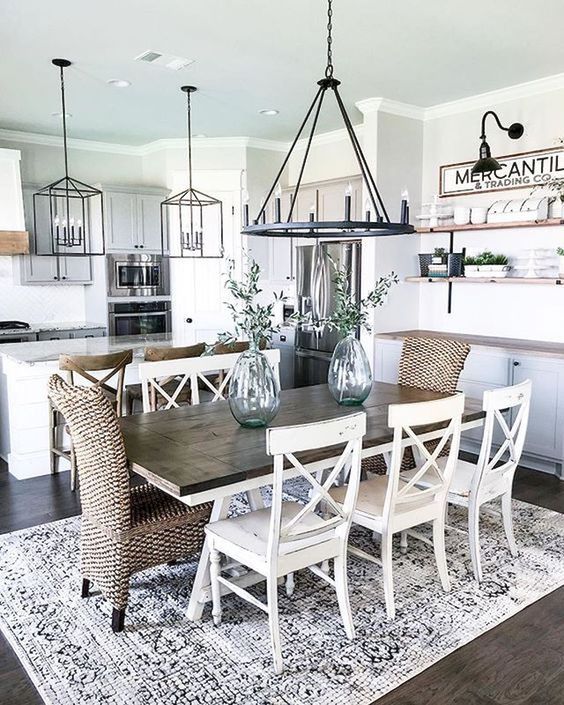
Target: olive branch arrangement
<point>350,314</point>
<point>252,320</point>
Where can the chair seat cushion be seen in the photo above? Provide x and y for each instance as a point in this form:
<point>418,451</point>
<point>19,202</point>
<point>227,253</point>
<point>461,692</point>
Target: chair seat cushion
<point>371,495</point>
<point>461,482</point>
<point>250,531</point>
<point>149,506</point>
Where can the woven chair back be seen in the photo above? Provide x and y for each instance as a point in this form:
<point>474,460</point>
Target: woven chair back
<point>433,364</point>
<point>113,364</point>
<point>100,452</point>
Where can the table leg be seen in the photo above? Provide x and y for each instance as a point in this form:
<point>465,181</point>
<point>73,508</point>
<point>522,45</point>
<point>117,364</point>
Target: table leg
<point>202,580</point>
<point>255,500</point>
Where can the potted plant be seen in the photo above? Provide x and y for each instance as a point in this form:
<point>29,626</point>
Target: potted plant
<point>487,264</point>
<point>560,253</point>
<point>350,376</point>
<point>254,392</point>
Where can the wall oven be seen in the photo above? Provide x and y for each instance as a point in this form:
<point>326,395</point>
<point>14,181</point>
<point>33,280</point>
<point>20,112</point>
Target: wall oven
<point>139,317</point>
<point>138,275</point>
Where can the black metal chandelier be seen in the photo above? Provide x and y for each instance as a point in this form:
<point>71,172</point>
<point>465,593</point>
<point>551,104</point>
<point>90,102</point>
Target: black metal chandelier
<point>486,163</point>
<point>66,211</point>
<point>377,222</point>
<point>197,215</point>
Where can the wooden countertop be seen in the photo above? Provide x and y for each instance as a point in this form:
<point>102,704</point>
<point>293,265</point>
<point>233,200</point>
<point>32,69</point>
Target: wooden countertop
<point>518,345</point>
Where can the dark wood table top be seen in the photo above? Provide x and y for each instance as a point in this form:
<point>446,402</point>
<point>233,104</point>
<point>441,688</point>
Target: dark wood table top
<point>193,449</point>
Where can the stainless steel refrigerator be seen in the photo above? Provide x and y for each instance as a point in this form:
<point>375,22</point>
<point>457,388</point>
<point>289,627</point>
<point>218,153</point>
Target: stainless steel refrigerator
<point>315,273</point>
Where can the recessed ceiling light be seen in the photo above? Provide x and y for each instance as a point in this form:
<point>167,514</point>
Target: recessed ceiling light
<point>59,114</point>
<point>268,111</point>
<point>119,83</point>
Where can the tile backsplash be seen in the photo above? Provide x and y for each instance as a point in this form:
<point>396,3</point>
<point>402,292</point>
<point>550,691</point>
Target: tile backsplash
<point>37,304</point>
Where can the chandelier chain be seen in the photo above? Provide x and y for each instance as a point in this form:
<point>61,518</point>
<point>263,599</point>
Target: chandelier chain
<point>329,67</point>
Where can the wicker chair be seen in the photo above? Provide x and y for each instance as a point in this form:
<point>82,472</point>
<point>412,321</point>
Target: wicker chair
<point>124,529</point>
<point>433,364</point>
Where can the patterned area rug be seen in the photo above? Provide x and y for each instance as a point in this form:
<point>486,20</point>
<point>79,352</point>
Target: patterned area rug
<point>67,647</point>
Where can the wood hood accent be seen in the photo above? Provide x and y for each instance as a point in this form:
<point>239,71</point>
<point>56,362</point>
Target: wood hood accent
<point>14,242</point>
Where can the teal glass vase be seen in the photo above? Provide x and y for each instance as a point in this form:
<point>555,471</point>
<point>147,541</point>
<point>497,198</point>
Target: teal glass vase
<point>350,377</point>
<point>254,392</point>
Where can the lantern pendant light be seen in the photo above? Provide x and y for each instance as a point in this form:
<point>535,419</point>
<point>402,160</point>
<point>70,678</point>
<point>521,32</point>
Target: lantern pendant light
<point>199,217</point>
<point>377,221</point>
<point>64,212</point>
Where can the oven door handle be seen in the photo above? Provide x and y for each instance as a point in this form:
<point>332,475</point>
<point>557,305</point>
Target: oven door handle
<point>138,315</point>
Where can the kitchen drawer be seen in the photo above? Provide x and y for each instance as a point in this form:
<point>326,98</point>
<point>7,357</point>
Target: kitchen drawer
<point>55,335</point>
<point>89,333</point>
<point>487,368</point>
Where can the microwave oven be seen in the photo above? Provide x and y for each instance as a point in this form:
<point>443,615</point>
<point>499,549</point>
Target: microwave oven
<point>133,274</point>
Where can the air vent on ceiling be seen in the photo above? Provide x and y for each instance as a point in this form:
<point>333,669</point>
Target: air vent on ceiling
<point>167,61</point>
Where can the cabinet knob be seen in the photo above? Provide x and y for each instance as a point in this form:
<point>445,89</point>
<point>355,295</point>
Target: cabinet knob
<point>189,320</point>
<point>63,277</point>
<point>516,363</point>
<point>141,246</point>
<point>55,278</point>
<point>136,246</point>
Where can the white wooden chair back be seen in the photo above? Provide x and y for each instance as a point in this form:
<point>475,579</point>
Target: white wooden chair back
<point>500,465</point>
<point>330,519</point>
<point>190,371</point>
<point>403,495</point>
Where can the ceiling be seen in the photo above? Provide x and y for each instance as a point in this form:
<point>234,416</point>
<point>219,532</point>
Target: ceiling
<point>254,54</point>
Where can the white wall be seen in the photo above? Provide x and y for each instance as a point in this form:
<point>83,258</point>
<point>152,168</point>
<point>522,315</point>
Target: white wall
<point>518,311</point>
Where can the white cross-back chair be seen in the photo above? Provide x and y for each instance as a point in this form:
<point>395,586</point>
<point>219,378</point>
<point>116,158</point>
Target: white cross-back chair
<point>289,536</point>
<point>388,505</point>
<point>491,477</point>
<point>156,378</point>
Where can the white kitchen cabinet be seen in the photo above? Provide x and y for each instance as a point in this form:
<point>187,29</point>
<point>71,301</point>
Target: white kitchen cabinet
<point>545,431</point>
<point>42,269</point>
<point>133,220</point>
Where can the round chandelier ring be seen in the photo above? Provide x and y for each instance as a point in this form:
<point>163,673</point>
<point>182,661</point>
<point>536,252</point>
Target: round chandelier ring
<point>323,228</point>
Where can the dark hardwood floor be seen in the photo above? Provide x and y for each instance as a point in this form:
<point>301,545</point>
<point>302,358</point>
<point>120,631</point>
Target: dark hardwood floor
<point>520,662</point>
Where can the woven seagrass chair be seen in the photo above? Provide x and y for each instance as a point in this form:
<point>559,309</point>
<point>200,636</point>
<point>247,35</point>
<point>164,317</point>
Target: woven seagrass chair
<point>433,364</point>
<point>111,382</point>
<point>124,529</point>
<point>134,392</point>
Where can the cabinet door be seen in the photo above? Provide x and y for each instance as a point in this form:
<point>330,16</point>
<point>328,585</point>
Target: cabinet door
<point>149,223</point>
<point>544,433</point>
<point>37,269</point>
<point>75,270</point>
<point>332,200</point>
<point>121,220</point>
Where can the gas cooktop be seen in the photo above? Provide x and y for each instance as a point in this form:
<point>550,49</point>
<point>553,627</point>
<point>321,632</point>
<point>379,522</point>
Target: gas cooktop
<point>14,325</point>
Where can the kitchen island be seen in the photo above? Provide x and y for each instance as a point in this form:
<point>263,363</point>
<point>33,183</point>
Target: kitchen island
<point>24,411</point>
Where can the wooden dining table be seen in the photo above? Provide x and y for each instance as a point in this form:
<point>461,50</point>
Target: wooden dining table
<point>201,454</point>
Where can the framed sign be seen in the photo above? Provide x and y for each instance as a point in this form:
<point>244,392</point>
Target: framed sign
<point>524,170</point>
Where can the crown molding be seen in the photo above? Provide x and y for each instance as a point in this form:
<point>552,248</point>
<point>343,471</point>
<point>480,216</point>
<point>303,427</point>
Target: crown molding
<point>501,95</point>
<point>56,141</point>
<point>324,138</point>
<point>393,107</point>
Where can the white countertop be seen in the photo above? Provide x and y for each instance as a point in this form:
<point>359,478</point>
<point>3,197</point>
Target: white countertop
<point>47,351</point>
<point>56,325</point>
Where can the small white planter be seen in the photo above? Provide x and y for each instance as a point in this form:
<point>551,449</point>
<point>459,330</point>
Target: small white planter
<point>496,271</point>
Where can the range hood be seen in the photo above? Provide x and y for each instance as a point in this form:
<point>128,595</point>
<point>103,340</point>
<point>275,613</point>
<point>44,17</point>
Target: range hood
<point>14,242</point>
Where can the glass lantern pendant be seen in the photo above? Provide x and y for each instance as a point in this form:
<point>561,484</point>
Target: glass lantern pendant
<point>196,216</point>
<point>68,212</point>
<point>377,220</point>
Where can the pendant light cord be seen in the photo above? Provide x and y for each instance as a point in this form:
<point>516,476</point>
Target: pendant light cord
<point>189,131</point>
<point>64,110</point>
<point>329,67</point>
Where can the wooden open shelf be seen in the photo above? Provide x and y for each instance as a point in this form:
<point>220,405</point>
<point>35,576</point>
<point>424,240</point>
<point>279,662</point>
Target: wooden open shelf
<point>485,280</point>
<point>491,226</point>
